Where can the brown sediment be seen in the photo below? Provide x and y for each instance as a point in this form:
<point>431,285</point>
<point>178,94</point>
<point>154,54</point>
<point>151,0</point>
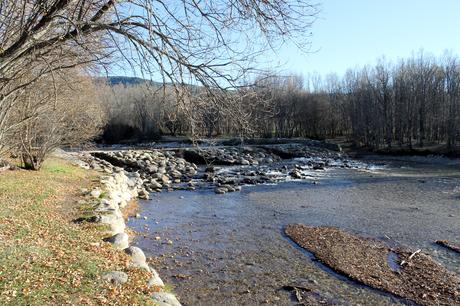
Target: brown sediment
<point>449,245</point>
<point>416,276</point>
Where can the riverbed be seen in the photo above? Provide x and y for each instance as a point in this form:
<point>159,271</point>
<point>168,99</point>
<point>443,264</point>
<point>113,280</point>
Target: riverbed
<point>230,249</point>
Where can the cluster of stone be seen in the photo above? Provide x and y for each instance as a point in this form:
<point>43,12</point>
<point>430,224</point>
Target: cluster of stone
<point>114,193</point>
<point>244,156</point>
<point>156,170</point>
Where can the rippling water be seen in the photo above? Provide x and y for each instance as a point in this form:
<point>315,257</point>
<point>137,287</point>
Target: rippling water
<point>230,249</point>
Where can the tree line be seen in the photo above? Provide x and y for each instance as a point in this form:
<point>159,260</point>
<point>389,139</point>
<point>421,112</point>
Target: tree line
<point>413,102</point>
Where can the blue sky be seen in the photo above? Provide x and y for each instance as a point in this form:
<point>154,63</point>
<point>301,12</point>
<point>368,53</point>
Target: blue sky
<point>358,32</point>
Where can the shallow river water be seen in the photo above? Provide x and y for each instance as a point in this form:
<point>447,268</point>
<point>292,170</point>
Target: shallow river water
<point>230,249</point>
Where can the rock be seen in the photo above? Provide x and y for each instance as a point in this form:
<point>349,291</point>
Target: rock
<point>245,162</point>
<point>115,221</point>
<point>115,277</point>
<point>152,169</point>
<point>118,241</point>
<point>166,298</point>
<point>155,184</point>
<point>96,193</point>
<point>155,280</point>
<point>106,205</point>
<point>138,259</point>
<point>220,190</point>
<point>175,174</point>
<point>143,194</point>
<point>165,179</point>
<point>296,174</point>
<point>318,167</point>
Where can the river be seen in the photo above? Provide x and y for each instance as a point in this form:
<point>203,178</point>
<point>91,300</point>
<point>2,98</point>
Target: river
<point>230,249</point>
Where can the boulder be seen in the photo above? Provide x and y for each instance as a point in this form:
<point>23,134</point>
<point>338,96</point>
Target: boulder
<point>166,298</point>
<point>155,184</point>
<point>244,162</point>
<point>115,277</point>
<point>138,259</point>
<point>220,190</point>
<point>296,174</point>
<point>165,179</point>
<point>118,241</point>
<point>114,220</point>
<point>155,280</point>
<point>143,194</point>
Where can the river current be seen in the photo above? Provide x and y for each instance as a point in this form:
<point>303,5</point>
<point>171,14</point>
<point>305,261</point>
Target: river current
<point>230,249</point>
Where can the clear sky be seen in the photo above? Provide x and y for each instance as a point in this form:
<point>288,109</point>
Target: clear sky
<point>352,33</point>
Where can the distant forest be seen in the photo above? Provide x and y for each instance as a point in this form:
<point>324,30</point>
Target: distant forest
<point>413,102</point>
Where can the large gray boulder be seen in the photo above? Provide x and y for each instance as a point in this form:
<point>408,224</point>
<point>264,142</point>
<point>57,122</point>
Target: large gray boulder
<point>138,259</point>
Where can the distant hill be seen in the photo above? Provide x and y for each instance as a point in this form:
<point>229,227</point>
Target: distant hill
<point>130,81</point>
<point>116,80</point>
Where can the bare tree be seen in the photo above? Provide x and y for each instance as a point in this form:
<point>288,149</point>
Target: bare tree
<point>194,42</point>
<point>62,113</point>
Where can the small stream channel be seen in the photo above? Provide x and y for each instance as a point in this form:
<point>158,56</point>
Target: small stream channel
<point>230,249</point>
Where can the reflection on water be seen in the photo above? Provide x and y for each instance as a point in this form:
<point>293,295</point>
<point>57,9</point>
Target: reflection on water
<point>230,250</point>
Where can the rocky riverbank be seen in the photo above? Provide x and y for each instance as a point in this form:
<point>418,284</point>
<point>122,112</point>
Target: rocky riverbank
<point>116,190</point>
<point>225,169</point>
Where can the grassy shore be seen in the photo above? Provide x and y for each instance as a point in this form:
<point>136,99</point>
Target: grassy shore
<point>45,259</point>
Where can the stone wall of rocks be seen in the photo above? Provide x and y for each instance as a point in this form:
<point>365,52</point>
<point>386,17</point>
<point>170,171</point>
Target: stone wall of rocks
<point>224,169</point>
<point>158,170</point>
<point>115,191</point>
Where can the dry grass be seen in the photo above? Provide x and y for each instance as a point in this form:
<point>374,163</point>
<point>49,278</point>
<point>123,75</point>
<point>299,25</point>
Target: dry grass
<point>45,259</point>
